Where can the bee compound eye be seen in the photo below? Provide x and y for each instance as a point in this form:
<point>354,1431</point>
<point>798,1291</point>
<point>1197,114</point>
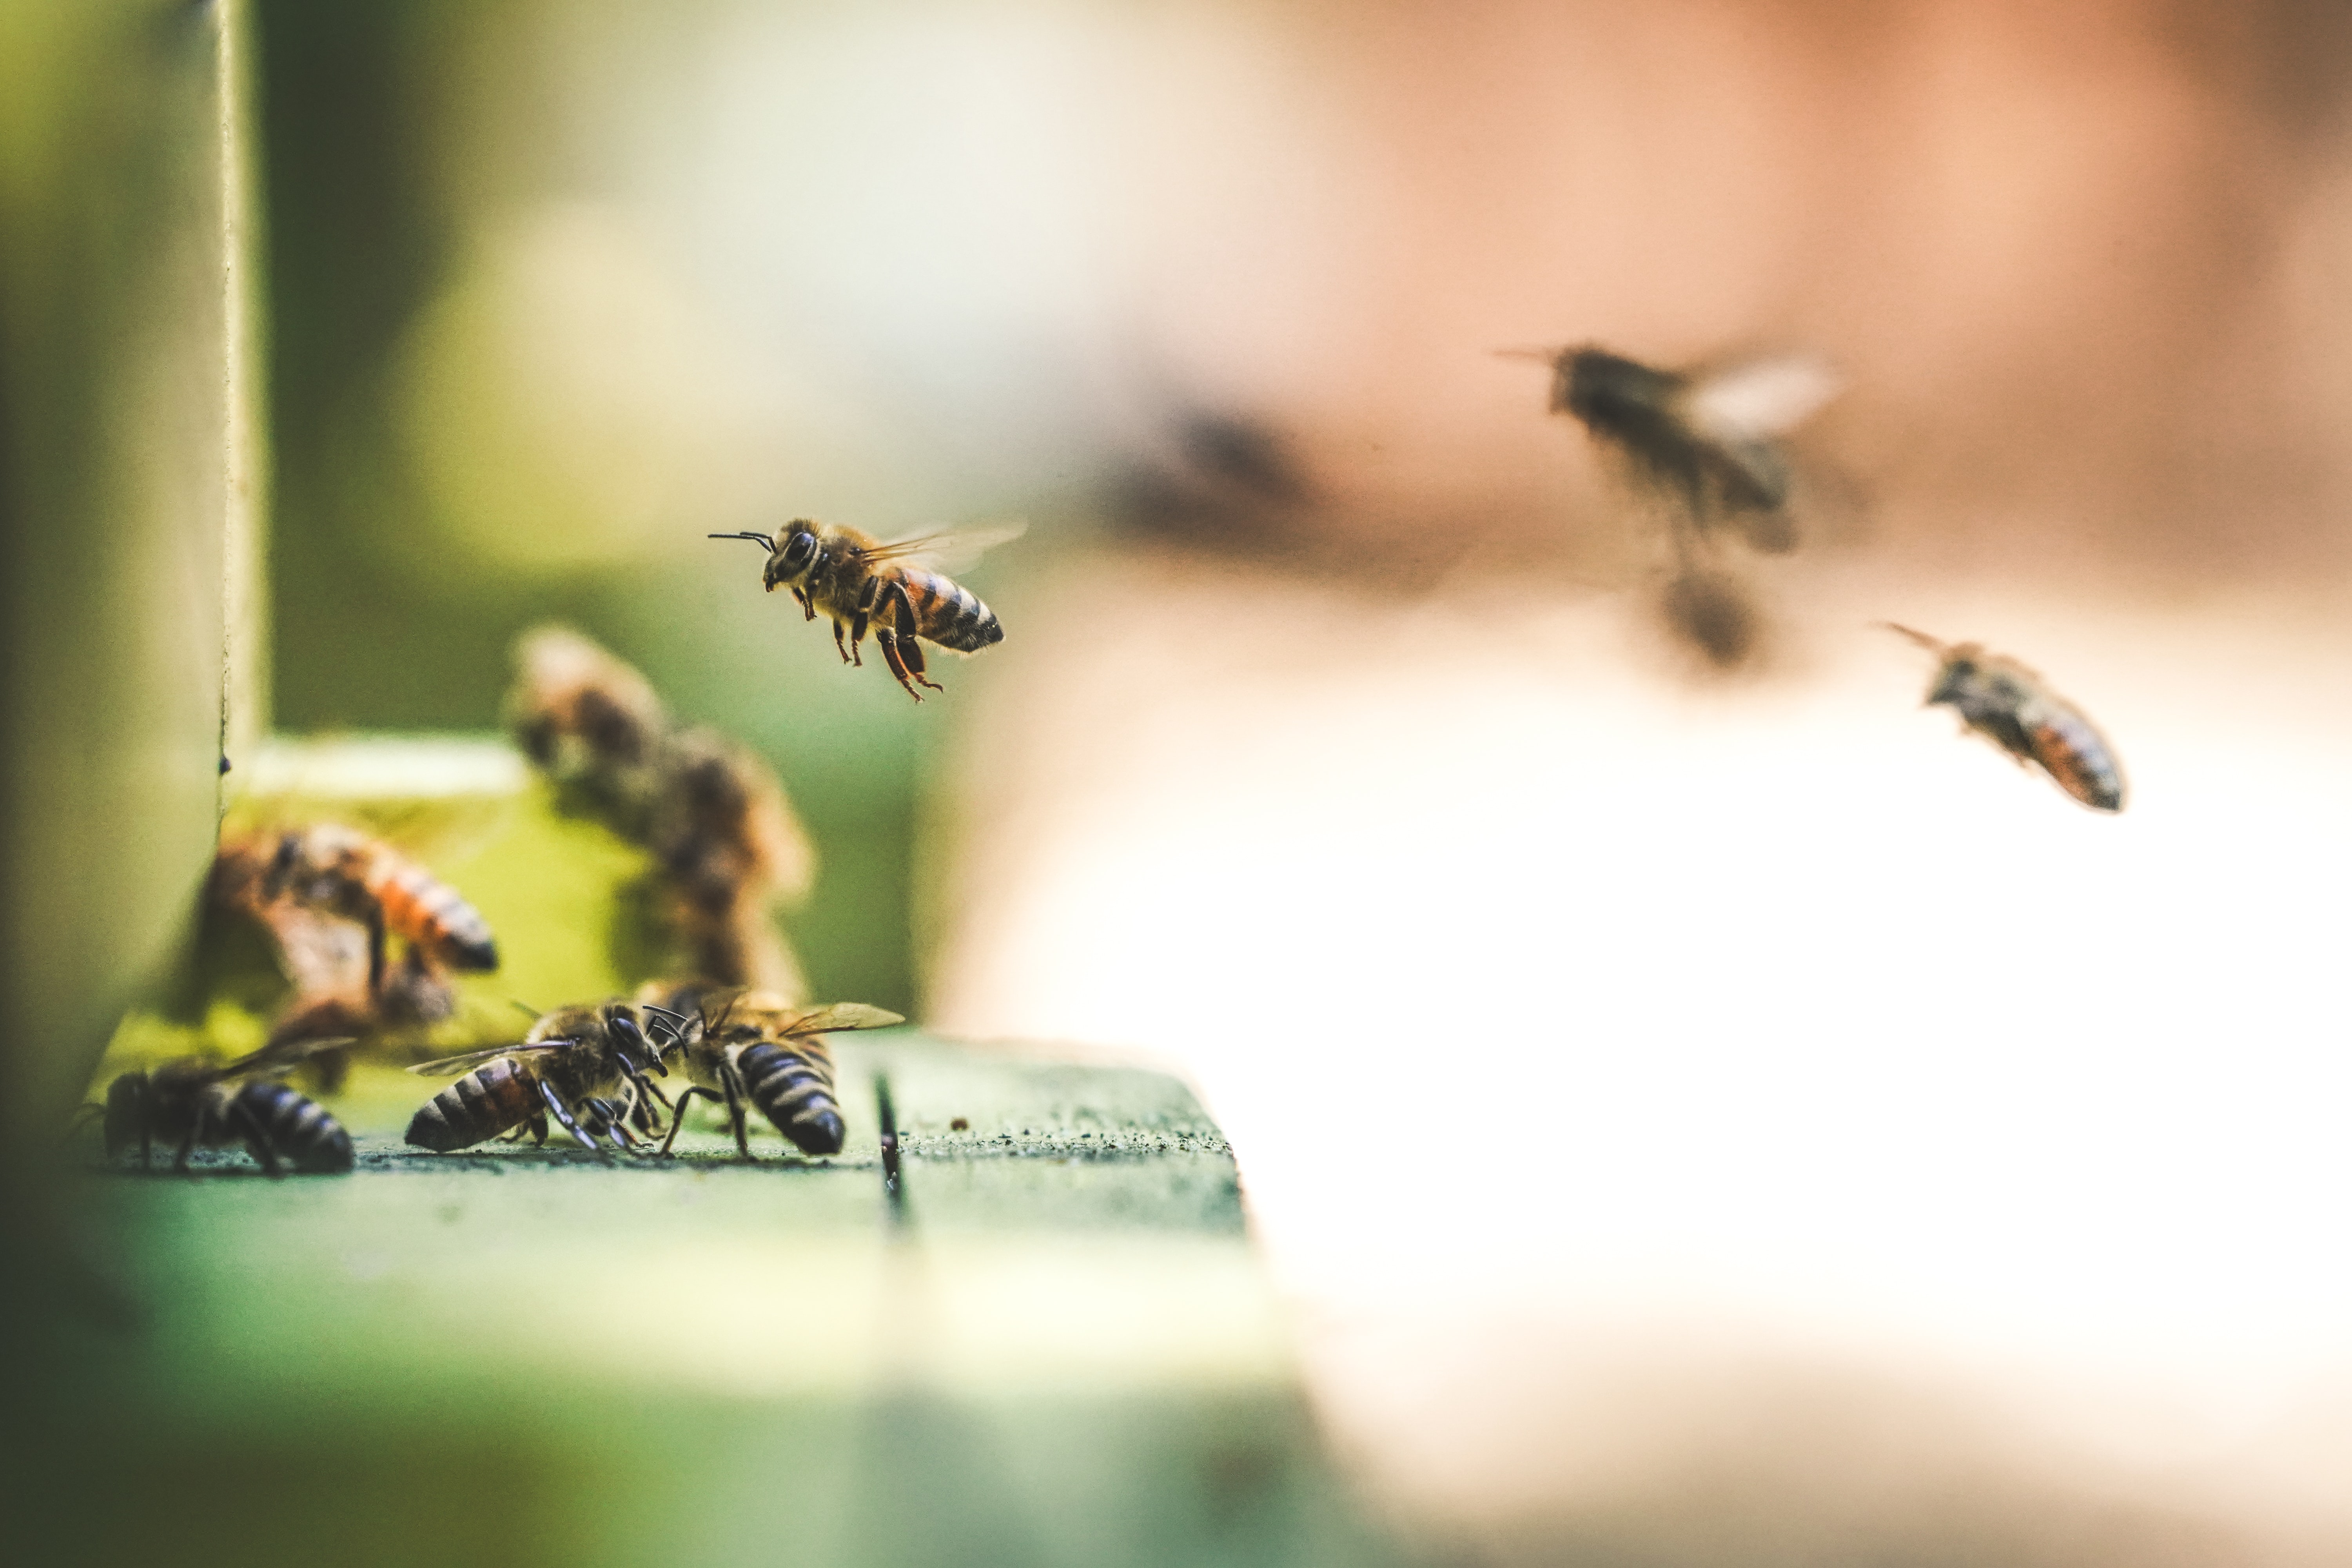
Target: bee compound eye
<point>799,551</point>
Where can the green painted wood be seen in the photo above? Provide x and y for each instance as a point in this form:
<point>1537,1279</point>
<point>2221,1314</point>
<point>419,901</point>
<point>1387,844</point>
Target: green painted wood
<point>1060,1350</point>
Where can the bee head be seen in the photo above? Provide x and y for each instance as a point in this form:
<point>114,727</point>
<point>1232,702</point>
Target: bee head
<point>794,554</point>
<point>126,1099</point>
<point>629,1043</point>
<point>1954,681</point>
<point>1599,387</point>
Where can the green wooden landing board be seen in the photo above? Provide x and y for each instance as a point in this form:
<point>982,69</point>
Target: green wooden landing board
<point>1061,1350</point>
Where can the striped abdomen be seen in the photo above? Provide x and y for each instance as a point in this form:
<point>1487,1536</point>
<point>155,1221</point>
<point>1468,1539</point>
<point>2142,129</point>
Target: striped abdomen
<point>479,1106</point>
<point>793,1085</point>
<point>298,1128</point>
<point>2074,754</point>
<point>948,613</point>
<point>429,912</point>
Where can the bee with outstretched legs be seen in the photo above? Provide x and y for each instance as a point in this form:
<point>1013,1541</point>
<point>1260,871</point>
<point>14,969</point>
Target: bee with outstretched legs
<point>1708,438</point>
<point>584,1067</point>
<point>221,1104</point>
<point>739,1048</point>
<point>341,872</point>
<point>2011,706</point>
<point>861,583</point>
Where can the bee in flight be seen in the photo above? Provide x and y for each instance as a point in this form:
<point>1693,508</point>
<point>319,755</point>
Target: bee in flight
<point>752,1048</point>
<point>585,1067</point>
<point>861,583</point>
<point>2008,704</point>
<point>1709,438</point>
<point>341,872</point>
<point>219,1104</point>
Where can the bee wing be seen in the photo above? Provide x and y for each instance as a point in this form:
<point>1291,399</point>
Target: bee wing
<point>1759,399</point>
<point>317,951</point>
<point>843,1015</point>
<point>279,1056</point>
<point>950,552</point>
<point>446,1067</point>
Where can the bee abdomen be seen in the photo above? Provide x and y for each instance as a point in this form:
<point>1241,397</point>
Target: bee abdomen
<point>951,615</point>
<point>482,1104</point>
<point>299,1129</point>
<point>432,914</point>
<point>2074,754</point>
<point>794,1089</point>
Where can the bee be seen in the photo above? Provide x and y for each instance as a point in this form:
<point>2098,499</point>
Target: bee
<point>585,1067</point>
<point>2008,704</point>
<point>757,1049</point>
<point>730,851</point>
<point>218,1104</point>
<point>590,722</point>
<point>1710,439</point>
<point>341,872</point>
<point>860,582</point>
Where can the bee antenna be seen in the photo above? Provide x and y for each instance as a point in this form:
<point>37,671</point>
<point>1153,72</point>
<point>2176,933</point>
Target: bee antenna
<point>1549,356</point>
<point>754,537</point>
<point>1922,639</point>
<point>528,1010</point>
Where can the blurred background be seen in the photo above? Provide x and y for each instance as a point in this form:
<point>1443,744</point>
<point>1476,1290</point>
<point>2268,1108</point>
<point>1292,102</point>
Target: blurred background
<point>1694,1118</point>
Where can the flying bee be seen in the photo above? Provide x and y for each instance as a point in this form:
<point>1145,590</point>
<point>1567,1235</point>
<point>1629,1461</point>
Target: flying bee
<point>859,582</point>
<point>218,1104</point>
<point>340,871</point>
<point>1709,438</point>
<point>585,1067</point>
<point>757,1049</point>
<point>2008,704</point>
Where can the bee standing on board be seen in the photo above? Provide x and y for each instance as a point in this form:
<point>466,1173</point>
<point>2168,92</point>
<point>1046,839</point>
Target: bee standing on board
<point>2008,704</point>
<point>345,873</point>
<point>860,582</point>
<point>740,1047</point>
<point>575,1063</point>
<point>1708,438</point>
<point>218,1104</point>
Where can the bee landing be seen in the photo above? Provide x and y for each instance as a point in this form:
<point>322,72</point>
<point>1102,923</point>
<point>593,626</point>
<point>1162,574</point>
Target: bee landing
<point>863,583</point>
<point>2011,706</point>
<point>740,1049</point>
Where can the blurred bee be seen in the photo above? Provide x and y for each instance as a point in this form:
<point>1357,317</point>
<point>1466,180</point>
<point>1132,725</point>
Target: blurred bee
<point>218,1104</point>
<point>1710,439</point>
<point>860,582</point>
<point>756,1048</point>
<point>585,1067</point>
<point>339,871</point>
<point>730,851</point>
<point>2008,704</point>
<point>592,723</point>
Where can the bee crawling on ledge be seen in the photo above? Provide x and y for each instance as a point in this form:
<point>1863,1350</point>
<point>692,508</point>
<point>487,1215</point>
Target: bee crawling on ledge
<point>585,1067</point>
<point>739,1047</point>
<point>862,582</point>
<point>219,1104</point>
<point>2011,706</point>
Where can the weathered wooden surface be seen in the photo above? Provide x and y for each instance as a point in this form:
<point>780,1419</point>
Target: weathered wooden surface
<point>1061,1349</point>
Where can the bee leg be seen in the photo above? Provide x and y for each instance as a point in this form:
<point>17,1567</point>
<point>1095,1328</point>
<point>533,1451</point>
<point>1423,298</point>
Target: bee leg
<point>536,1127</point>
<point>737,1094</point>
<point>910,650</point>
<point>808,610</point>
<point>679,1120</point>
<point>187,1145</point>
<point>564,1117</point>
<point>838,646</point>
<point>375,952</point>
<point>257,1140</point>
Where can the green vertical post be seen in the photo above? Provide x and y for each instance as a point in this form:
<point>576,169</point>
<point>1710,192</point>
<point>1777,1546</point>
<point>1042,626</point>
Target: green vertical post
<point>131,500</point>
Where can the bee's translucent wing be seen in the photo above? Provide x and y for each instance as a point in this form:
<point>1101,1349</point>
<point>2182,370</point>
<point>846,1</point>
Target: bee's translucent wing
<point>319,952</point>
<point>1759,399</point>
<point>950,552</point>
<point>446,1067</point>
<point>279,1056</point>
<point>843,1015</point>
